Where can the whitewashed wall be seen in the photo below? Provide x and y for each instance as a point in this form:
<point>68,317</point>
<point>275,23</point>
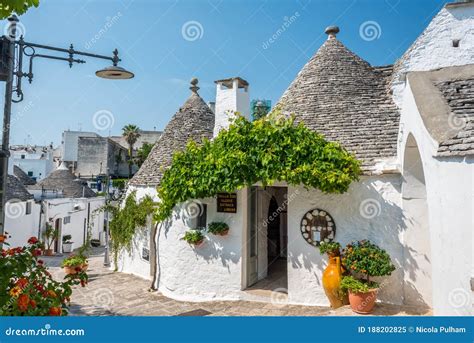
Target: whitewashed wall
<point>450,194</point>
<point>212,271</point>
<point>433,49</point>
<point>64,207</point>
<point>369,210</point>
<point>19,225</point>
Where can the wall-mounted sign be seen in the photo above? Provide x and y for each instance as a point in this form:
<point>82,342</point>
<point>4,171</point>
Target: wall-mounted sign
<point>318,226</point>
<point>227,202</point>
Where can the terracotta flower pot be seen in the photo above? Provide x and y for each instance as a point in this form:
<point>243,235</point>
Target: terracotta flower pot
<point>72,270</point>
<point>224,233</point>
<point>198,243</point>
<point>332,277</point>
<point>363,303</point>
<point>48,252</point>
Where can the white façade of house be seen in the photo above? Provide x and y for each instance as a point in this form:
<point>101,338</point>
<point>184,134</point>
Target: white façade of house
<point>415,198</point>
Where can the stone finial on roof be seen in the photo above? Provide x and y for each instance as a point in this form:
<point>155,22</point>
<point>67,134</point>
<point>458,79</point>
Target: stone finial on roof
<point>194,88</point>
<point>332,31</point>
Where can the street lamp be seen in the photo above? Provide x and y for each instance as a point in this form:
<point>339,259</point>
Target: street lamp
<point>13,73</point>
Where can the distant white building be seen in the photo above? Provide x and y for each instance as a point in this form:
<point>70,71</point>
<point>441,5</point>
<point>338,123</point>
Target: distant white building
<point>36,161</point>
<point>70,144</point>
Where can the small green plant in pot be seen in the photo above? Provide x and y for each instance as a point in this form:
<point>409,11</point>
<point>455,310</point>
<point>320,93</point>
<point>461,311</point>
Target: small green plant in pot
<point>218,228</point>
<point>194,237</point>
<point>67,244</point>
<point>74,264</point>
<point>364,260</point>
<point>330,248</point>
<point>50,235</point>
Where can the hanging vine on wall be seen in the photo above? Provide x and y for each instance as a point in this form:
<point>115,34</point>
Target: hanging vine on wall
<point>271,149</point>
<point>126,221</point>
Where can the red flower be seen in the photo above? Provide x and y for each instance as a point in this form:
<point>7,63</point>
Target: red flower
<point>36,252</point>
<point>40,262</point>
<point>33,303</point>
<point>22,283</point>
<point>32,240</point>
<point>23,301</point>
<point>55,311</point>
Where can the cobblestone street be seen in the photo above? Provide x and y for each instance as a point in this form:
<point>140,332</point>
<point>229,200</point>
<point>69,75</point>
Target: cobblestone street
<point>117,294</point>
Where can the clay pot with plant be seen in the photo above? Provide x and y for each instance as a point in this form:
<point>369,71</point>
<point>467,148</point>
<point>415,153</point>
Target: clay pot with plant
<point>333,273</point>
<point>75,264</point>
<point>49,236</point>
<point>218,228</point>
<point>364,260</point>
<point>194,237</point>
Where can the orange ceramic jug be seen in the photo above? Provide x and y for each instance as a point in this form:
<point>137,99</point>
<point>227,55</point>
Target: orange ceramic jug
<point>332,280</point>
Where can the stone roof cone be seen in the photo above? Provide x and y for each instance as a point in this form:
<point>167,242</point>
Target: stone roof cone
<point>193,121</point>
<point>63,180</point>
<point>343,97</point>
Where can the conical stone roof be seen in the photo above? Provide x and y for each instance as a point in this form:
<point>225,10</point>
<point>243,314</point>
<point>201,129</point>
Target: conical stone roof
<point>62,180</point>
<point>193,121</point>
<point>344,98</point>
<point>16,191</point>
<point>22,176</point>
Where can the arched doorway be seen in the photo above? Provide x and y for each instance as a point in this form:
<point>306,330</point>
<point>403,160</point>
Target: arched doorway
<point>416,238</point>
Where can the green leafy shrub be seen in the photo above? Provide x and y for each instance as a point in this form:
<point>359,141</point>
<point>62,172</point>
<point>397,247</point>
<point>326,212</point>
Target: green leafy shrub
<point>349,283</point>
<point>193,236</point>
<point>367,258</point>
<point>74,261</point>
<point>330,248</point>
<point>267,150</point>
<point>217,228</point>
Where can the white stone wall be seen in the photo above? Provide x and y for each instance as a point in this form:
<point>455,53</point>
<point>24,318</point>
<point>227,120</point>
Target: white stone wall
<point>433,49</point>
<point>369,210</point>
<point>212,271</point>
<point>450,194</point>
<point>19,225</point>
<point>64,207</point>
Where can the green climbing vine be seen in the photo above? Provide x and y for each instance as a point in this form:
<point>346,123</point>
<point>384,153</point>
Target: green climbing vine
<point>267,150</point>
<point>127,219</point>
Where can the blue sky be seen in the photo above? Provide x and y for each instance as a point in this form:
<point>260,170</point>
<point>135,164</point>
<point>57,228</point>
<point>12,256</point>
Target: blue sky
<point>224,39</point>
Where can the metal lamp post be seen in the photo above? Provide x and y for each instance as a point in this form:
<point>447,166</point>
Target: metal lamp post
<point>13,74</point>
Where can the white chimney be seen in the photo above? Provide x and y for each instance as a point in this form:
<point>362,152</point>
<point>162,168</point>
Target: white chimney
<point>232,95</point>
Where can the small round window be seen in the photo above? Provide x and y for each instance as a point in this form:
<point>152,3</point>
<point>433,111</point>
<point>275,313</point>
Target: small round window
<point>317,226</point>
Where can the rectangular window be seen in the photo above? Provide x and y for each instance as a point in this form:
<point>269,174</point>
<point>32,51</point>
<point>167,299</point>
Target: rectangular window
<point>28,208</point>
<point>202,218</point>
<point>22,157</point>
<point>30,173</point>
<point>67,220</point>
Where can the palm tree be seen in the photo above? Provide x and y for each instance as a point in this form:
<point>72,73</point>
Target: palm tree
<point>131,133</point>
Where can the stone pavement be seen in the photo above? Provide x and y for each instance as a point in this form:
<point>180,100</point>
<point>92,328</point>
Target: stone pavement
<point>117,294</point>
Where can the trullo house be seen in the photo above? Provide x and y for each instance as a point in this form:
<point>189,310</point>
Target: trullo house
<point>412,127</point>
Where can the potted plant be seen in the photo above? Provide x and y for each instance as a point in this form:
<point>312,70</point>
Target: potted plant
<point>333,273</point>
<point>74,264</point>
<point>194,237</point>
<point>218,228</point>
<point>50,235</point>
<point>364,260</point>
<point>67,244</point>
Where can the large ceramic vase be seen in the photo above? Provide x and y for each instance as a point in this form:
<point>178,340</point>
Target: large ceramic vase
<point>332,277</point>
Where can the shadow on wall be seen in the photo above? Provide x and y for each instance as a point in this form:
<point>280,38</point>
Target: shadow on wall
<point>361,213</point>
